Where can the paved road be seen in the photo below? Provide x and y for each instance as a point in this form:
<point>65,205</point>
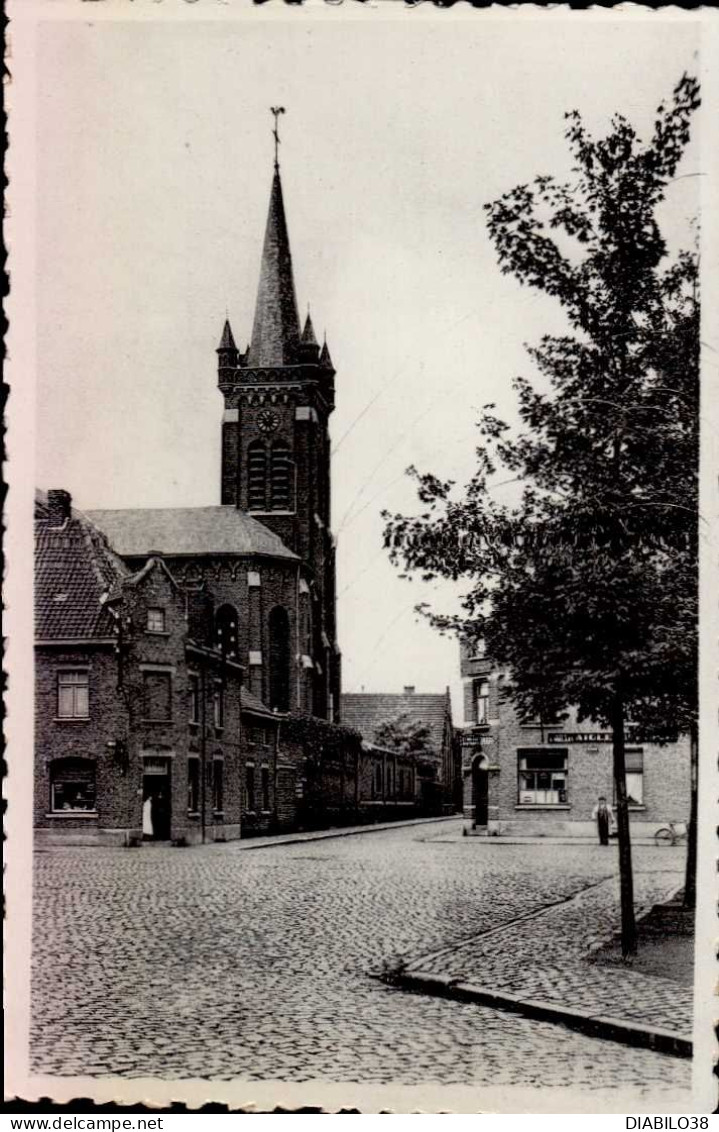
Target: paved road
<point>218,962</point>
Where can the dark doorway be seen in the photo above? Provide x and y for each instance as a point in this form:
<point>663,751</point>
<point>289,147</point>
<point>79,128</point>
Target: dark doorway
<point>480,790</point>
<point>156,808</point>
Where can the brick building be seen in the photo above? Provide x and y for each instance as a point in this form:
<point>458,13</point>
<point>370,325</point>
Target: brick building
<point>436,771</point>
<point>532,778</point>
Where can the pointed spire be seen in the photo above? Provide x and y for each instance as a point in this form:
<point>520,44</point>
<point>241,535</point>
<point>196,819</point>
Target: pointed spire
<point>276,329</point>
<point>227,342</point>
<point>308,334</point>
<point>325,359</point>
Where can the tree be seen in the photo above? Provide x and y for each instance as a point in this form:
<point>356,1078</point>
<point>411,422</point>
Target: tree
<point>404,733</point>
<point>586,587</point>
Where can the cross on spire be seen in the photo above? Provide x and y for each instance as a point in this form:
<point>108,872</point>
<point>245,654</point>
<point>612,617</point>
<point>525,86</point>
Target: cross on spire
<point>277,110</point>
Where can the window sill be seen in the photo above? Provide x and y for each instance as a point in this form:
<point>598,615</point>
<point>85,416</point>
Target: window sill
<point>194,725</point>
<point>193,813</point>
<point>157,632</point>
<point>72,814</point>
<point>543,806</point>
<point>71,719</point>
<point>636,809</point>
<point>218,814</point>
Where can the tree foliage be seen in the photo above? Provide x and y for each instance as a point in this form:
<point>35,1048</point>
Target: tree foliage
<point>586,587</point>
<point>404,733</point>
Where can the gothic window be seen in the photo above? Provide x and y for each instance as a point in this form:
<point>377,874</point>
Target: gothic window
<point>279,626</point>
<point>281,477</point>
<point>257,476</point>
<point>226,631</point>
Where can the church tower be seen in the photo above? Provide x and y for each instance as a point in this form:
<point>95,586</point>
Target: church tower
<point>278,397</point>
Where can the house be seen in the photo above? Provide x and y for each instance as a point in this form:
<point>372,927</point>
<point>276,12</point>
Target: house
<point>139,714</point>
<point>533,777</point>
<point>436,773</point>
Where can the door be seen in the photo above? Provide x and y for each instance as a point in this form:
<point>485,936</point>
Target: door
<point>480,790</point>
<point>156,809</point>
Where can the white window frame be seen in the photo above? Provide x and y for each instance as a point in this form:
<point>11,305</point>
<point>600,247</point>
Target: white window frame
<point>549,794</point>
<point>481,702</point>
<point>151,612</point>
<point>65,681</point>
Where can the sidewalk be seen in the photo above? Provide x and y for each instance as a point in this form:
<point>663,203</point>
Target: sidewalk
<point>244,844</point>
<point>541,966</point>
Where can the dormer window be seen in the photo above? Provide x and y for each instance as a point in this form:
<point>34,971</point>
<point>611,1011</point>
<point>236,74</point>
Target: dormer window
<point>156,620</point>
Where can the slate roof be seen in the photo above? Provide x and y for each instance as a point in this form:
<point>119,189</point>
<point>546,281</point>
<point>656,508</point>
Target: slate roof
<point>364,711</point>
<point>177,531</point>
<point>74,568</point>
<point>276,327</point>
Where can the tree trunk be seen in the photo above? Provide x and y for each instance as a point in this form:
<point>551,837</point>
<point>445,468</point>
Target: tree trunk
<point>690,878</point>
<point>626,880</point>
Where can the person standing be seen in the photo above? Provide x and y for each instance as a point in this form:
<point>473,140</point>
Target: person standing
<point>603,815</point>
<point>147,823</point>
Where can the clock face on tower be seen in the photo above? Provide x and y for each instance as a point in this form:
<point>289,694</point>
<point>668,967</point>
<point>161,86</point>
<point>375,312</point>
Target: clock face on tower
<point>267,421</point>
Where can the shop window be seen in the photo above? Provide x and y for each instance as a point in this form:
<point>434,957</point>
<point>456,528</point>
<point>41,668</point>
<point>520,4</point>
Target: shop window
<point>156,620</point>
<point>193,785</point>
<point>542,777</point>
<point>250,788</point>
<point>257,476</point>
<point>157,696</point>
<point>481,699</point>
<point>194,692</point>
<point>73,695</point>
<point>281,477</point>
<point>218,786</point>
<point>72,786</point>
<point>265,781</point>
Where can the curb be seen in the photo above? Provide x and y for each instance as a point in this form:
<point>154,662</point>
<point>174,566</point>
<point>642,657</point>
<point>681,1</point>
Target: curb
<point>594,1025</point>
<point>242,845</point>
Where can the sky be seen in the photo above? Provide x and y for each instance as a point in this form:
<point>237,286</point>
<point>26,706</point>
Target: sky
<point>154,165</point>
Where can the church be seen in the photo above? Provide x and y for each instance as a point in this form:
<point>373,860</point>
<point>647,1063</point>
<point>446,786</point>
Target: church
<point>187,666</point>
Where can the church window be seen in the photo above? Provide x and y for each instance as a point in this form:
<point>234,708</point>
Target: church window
<point>226,631</point>
<point>279,626</point>
<point>257,476</point>
<point>281,477</point>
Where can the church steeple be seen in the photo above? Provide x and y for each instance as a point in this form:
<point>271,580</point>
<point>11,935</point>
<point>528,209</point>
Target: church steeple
<point>276,329</point>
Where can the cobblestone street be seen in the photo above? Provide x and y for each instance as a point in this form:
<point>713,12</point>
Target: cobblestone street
<point>221,962</point>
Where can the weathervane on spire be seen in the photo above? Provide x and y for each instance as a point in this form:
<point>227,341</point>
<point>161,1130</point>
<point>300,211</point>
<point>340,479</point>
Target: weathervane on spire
<point>277,110</point>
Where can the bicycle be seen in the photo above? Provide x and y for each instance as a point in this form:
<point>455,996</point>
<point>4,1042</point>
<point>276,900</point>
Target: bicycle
<point>670,835</point>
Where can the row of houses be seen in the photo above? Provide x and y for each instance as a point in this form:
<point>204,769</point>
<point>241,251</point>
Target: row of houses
<point>146,728</point>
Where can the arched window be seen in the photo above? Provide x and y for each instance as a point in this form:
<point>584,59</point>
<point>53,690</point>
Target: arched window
<point>226,629</point>
<point>257,476</point>
<point>281,477</point>
<point>72,786</point>
<point>279,626</point>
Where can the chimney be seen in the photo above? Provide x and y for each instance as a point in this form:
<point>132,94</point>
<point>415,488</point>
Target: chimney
<point>409,689</point>
<point>59,504</point>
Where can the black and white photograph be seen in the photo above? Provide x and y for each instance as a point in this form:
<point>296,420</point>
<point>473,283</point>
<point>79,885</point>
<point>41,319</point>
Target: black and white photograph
<point>360,415</point>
